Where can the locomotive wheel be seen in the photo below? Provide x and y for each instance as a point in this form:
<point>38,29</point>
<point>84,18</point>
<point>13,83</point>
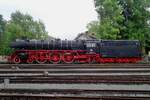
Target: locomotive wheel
<point>134,61</point>
<point>55,58</point>
<point>41,58</point>
<point>41,61</point>
<point>91,60</point>
<point>68,57</point>
<point>29,60</point>
<point>102,60</point>
<point>16,60</point>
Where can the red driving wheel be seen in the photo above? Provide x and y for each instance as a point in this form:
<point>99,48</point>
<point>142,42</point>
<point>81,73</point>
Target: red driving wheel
<point>41,58</point>
<point>55,58</point>
<point>16,60</point>
<point>68,57</point>
<point>30,60</point>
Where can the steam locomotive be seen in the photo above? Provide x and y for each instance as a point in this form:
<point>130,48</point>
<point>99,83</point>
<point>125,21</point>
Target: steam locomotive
<point>76,51</point>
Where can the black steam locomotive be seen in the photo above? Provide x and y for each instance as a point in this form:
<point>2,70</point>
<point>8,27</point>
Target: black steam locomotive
<point>76,51</point>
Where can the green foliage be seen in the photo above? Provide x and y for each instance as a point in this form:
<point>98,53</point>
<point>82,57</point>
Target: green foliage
<point>29,28</point>
<point>21,25</point>
<point>122,19</point>
<point>111,19</point>
<point>5,45</point>
<point>2,26</point>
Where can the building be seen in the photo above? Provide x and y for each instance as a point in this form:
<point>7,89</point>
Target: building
<point>50,38</point>
<point>85,36</point>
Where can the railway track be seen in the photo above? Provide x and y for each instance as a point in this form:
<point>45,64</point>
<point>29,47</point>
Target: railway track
<point>75,81</point>
<point>76,95</point>
<point>49,66</point>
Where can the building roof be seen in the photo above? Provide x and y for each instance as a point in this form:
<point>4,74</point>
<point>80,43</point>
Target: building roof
<point>85,36</point>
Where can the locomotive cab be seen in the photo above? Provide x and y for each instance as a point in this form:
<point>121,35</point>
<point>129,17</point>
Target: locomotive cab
<point>92,46</point>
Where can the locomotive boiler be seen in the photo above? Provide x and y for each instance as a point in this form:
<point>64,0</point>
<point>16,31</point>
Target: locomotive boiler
<point>76,51</point>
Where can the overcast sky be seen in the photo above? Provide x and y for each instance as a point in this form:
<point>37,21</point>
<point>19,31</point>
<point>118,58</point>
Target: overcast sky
<point>63,18</point>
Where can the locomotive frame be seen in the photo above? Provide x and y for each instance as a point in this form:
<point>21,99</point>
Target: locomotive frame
<point>66,56</point>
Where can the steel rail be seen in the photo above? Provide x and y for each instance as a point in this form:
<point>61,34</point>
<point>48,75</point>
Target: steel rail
<point>75,94</point>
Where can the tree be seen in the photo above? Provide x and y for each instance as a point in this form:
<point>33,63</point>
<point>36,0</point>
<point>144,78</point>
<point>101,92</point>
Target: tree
<point>137,26</point>
<point>5,45</point>
<point>2,26</point>
<point>123,19</point>
<point>40,30</point>
<point>110,19</point>
<point>30,28</point>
